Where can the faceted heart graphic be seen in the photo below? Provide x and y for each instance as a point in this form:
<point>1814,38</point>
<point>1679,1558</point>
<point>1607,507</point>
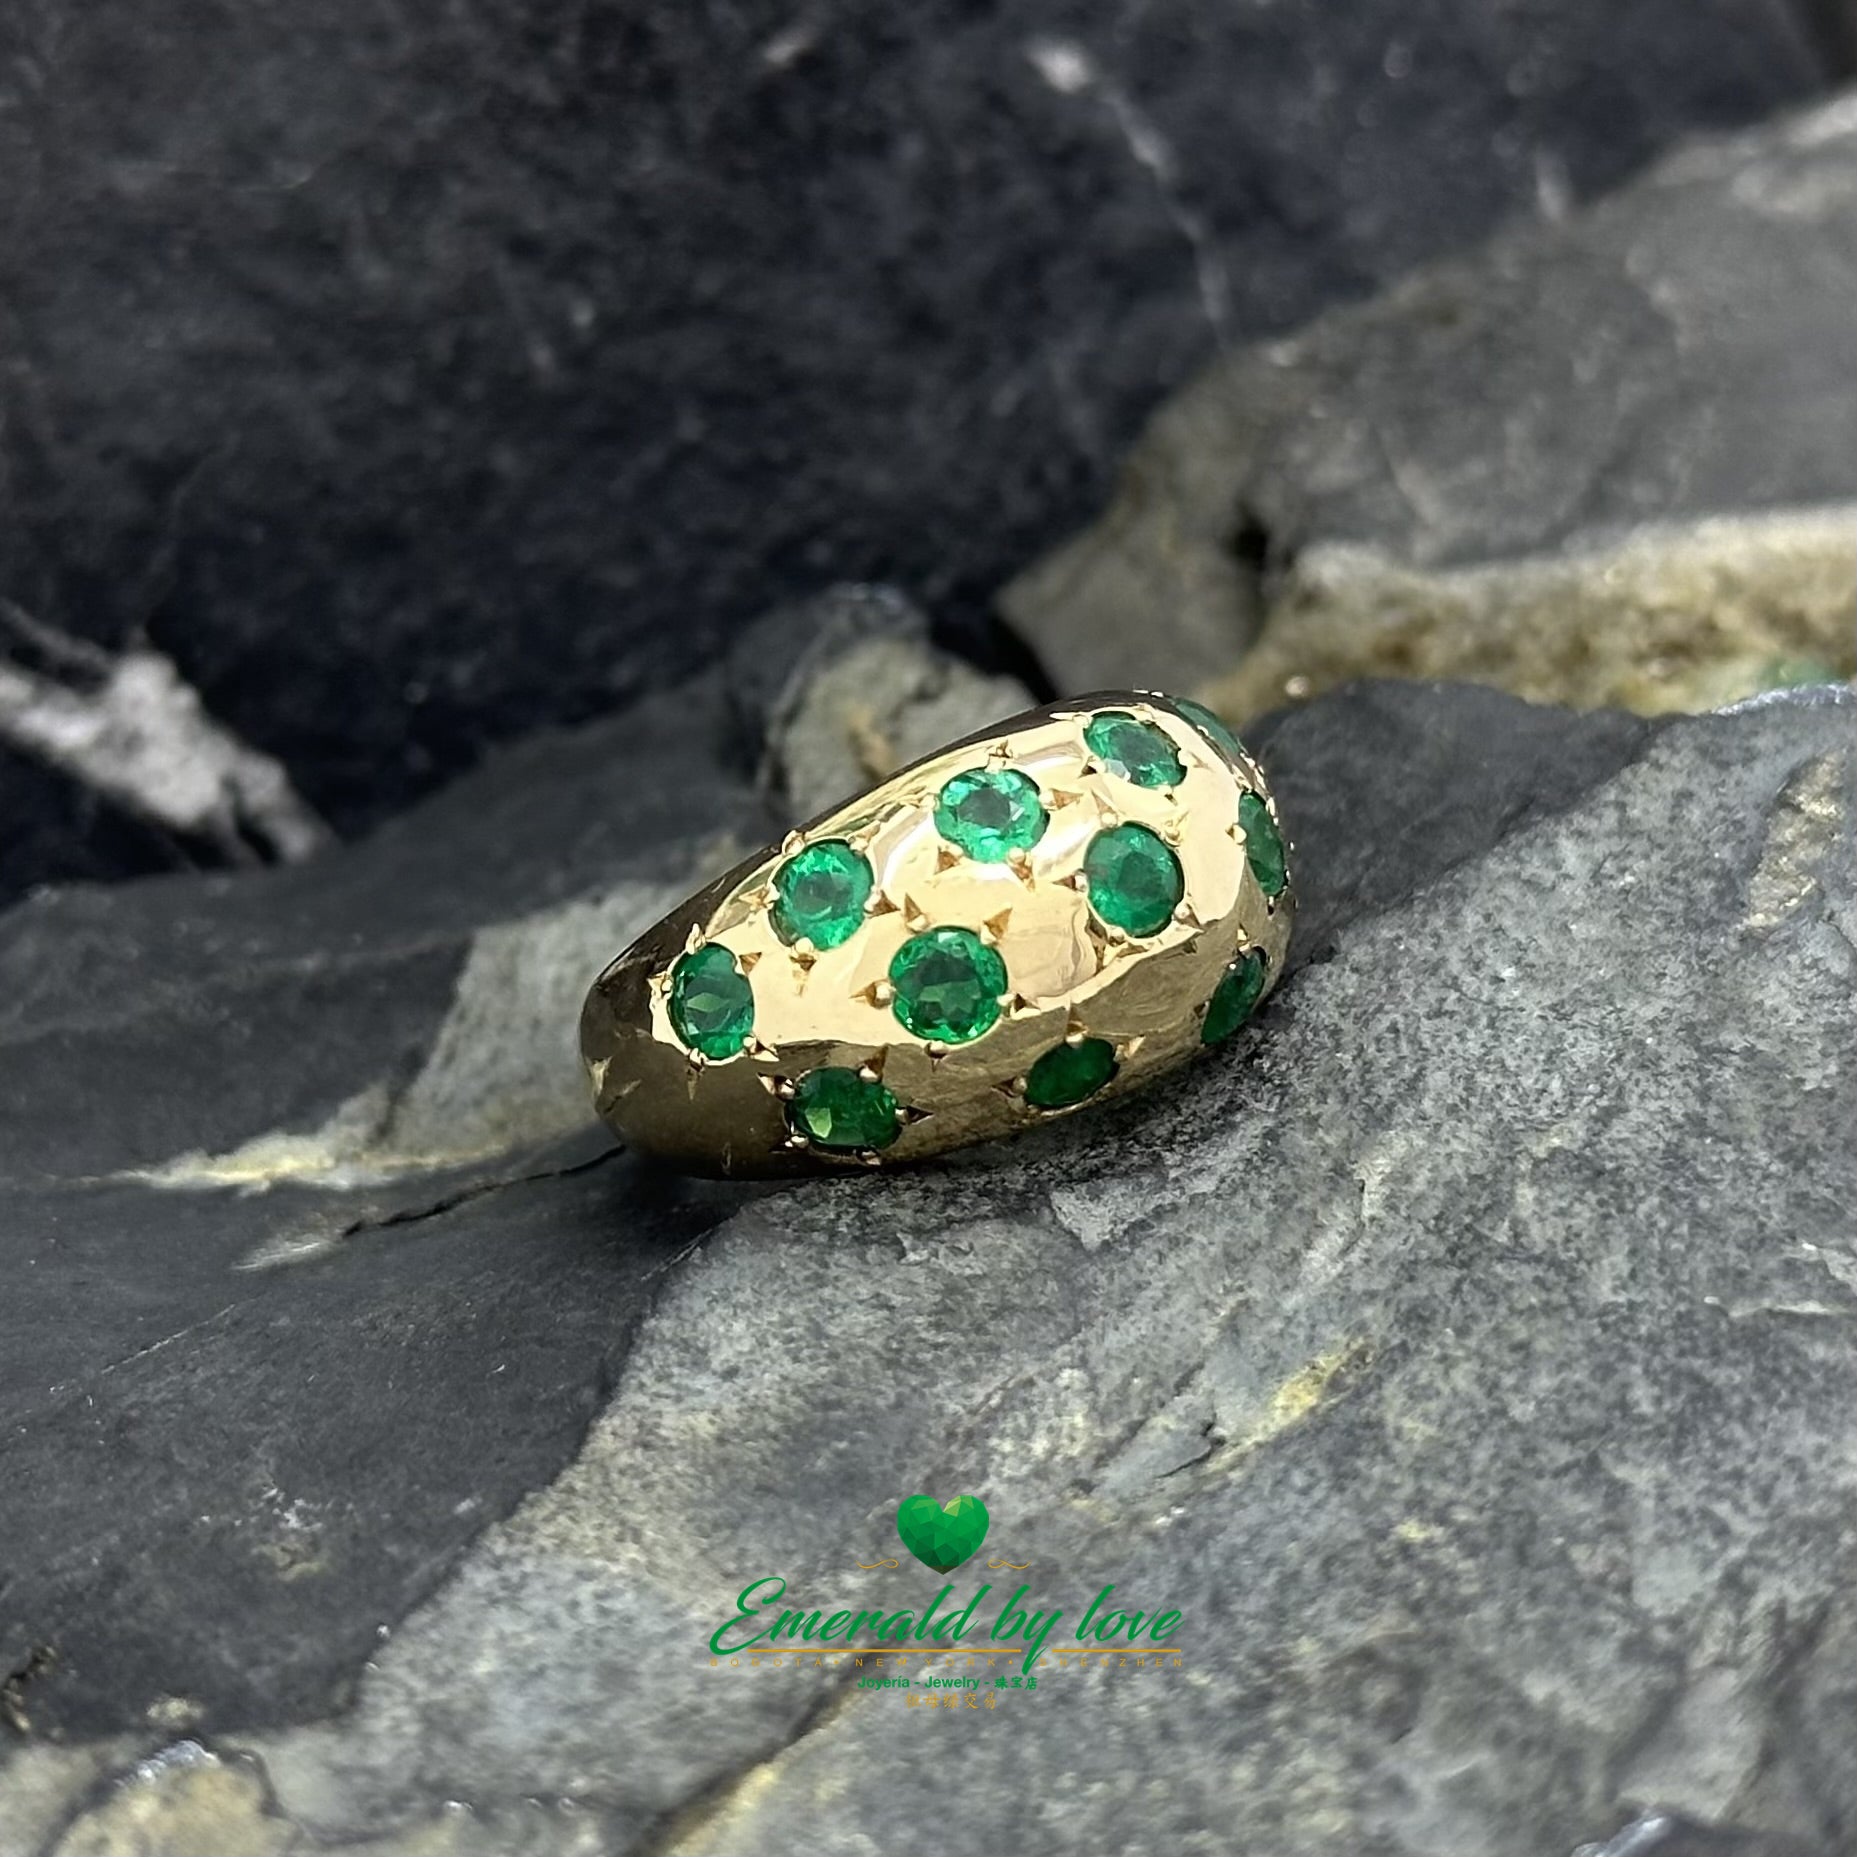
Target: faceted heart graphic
<point>942,1534</point>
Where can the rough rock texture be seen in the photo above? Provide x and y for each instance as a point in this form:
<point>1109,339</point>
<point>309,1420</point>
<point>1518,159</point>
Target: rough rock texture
<point>1669,619</point>
<point>413,376</point>
<point>1572,405</point>
<point>839,691</point>
<point>1833,25</point>
<point>247,1082</point>
<point>1468,1354</point>
<point>131,730</point>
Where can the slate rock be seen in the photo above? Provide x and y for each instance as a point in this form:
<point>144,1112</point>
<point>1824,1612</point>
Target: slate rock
<point>1609,461</point>
<point>227,1471</point>
<point>1833,25</point>
<point>414,381</point>
<point>53,829</point>
<point>245,1079</point>
<point>1466,1353</point>
<point>839,691</point>
<point>1471,1365</point>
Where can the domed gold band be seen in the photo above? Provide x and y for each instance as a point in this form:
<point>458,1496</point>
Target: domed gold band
<point>1048,914</point>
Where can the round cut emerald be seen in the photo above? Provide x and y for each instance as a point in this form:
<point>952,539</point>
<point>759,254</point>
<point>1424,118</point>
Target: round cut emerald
<point>712,1005</point>
<point>820,893</point>
<point>1234,998</point>
<point>836,1108</point>
<point>1134,750</point>
<point>1135,881</point>
<point>990,812</point>
<point>1068,1073</point>
<point>947,985</point>
<point>1263,845</point>
<point>1210,725</point>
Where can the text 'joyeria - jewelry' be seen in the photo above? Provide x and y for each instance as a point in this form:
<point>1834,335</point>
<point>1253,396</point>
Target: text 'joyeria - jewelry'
<point>1041,916</point>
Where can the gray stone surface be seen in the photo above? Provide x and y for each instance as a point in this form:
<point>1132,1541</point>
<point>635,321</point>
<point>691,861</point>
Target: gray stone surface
<point>217,1093</point>
<point>1467,1354</point>
<point>841,690</point>
<point>1570,404</point>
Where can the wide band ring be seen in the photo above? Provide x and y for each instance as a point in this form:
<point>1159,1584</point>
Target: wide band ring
<point>1048,914</point>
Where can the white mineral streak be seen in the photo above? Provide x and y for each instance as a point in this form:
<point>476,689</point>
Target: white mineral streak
<point>130,728</point>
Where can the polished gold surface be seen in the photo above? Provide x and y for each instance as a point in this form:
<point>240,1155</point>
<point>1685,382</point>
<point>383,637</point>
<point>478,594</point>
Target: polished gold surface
<point>1068,976</point>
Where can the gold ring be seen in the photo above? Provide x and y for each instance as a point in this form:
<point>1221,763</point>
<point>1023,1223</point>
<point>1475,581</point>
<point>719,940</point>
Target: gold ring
<point>1048,914</point>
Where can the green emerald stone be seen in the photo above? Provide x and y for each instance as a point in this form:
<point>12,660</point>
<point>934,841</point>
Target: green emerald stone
<point>947,983</point>
<point>820,893</point>
<point>712,1005</point>
<point>1134,750</point>
<point>990,812</point>
<point>1263,845</point>
<point>1234,997</point>
<point>1068,1073</point>
<point>836,1108</point>
<point>1209,725</point>
<point>1135,881</point>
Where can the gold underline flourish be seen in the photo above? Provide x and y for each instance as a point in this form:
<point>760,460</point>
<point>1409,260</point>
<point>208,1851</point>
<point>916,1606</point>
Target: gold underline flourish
<point>1018,1566</point>
<point>950,1650</point>
<point>867,1565</point>
<point>1113,1650</point>
<point>859,1650</point>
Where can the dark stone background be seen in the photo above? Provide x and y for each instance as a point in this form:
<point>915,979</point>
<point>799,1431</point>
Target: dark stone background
<point>415,376</point>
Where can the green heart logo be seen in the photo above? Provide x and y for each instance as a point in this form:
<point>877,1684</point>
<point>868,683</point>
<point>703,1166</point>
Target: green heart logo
<point>942,1534</point>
